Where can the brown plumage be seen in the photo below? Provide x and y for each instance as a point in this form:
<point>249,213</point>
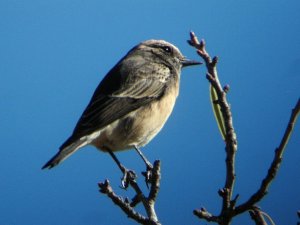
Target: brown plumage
<point>132,103</point>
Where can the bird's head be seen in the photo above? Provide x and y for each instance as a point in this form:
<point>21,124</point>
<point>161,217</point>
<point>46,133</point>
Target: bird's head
<point>164,52</point>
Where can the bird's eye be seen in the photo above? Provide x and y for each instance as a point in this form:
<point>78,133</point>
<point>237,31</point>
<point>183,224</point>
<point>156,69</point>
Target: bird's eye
<point>167,48</point>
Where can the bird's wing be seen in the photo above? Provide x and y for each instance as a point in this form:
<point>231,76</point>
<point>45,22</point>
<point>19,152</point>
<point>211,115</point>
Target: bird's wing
<point>122,91</point>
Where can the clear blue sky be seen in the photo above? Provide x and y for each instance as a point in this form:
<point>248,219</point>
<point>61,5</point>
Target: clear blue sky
<point>53,55</point>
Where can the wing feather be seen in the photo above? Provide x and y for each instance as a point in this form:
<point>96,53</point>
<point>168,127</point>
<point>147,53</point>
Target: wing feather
<point>120,93</point>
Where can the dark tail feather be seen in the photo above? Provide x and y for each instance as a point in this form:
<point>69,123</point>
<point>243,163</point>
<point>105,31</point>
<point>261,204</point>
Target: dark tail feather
<point>55,160</point>
<point>65,153</point>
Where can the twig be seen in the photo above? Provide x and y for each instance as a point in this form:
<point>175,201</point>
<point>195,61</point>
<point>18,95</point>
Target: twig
<point>154,189</point>
<point>105,188</point>
<point>204,214</point>
<point>229,208</point>
<point>272,172</point>
<point>230,139</point>
<point>257,215</point>
<point>148,202</point>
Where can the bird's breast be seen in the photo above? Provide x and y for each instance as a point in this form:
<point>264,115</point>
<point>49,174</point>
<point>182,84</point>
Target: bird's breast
<point>140,126</point>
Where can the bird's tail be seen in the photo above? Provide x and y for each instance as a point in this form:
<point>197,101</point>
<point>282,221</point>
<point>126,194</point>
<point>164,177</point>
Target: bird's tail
<point>65,152</point>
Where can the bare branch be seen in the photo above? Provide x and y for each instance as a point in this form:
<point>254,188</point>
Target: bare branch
<point>272,172</point>
<point>230,139</point>
<point>148,202</point>
<point>204,214</point>
<point>229,209</point>
<point>257,216</point>
<point>155,181</point>
<point>105,188</point>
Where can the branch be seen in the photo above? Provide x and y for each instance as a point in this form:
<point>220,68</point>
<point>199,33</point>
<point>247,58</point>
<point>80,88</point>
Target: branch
<point>105,188</point>
<point>204,214</point>
<point>155,182</point>
<point>272,172</point>
<point>230,136</point>
<point>224,120</point>
<point>148,202</point>
<point>257,215</point>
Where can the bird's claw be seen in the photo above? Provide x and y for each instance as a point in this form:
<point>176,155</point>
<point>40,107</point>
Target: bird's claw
<point>148,174</point>
<point>128,175</point>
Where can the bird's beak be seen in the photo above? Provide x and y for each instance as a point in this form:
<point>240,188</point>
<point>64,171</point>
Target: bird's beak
<point>188,62</point>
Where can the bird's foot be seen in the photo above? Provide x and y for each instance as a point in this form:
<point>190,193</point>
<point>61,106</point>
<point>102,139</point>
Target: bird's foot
<point>148,174</point>
<point>128,176</point>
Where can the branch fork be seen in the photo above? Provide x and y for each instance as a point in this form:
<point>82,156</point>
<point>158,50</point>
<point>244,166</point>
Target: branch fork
<point>148,202</point>
<point>224,120</point>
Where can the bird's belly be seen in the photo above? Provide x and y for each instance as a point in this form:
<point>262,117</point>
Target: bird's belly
<point>138,127</point>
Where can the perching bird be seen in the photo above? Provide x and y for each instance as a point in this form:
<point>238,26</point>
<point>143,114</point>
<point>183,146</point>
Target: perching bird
<point>132,103</point>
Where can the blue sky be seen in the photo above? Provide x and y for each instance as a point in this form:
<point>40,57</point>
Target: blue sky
<point>54,53</point>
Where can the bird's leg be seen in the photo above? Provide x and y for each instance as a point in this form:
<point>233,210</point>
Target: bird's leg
<point>149,166</point>
<point>127,174</point>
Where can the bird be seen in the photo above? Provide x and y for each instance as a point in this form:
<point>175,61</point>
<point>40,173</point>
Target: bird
<point>132,102</point>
